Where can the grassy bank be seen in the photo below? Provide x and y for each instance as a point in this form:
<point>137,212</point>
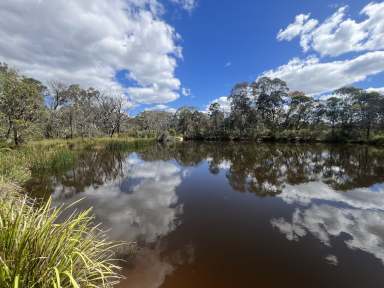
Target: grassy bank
<point>38,251</point>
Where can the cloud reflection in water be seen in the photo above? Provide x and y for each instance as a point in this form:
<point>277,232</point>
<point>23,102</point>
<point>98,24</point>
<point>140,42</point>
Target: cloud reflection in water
<point>326,214</point>
<point>141,205</point>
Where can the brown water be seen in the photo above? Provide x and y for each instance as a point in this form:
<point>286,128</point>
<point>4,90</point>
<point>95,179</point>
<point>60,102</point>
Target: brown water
<point>237,215</point>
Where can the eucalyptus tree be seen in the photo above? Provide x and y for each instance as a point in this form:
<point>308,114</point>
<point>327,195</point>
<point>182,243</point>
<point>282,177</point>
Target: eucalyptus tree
<point>109,113</point>
<point>240,107</point>
<point>318,113</point>
<point>333,111</point>
<point>367,106</point>
<point>58,94</point>
<point>216,118</point>
<point>300,110</point>
<point>183,120</point>
<point>200,127</point>
<point>57,98</point>
<point>21,103</point>
<point>270,95</point>
<point>155,122</point>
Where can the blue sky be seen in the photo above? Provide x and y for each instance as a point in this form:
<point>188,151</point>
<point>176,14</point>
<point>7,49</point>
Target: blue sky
<point>225,42</point>
<point>153,50</point>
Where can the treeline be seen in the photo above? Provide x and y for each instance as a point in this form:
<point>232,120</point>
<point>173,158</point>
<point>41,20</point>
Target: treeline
<point>267,110</point>
<point>264,110</point>
<point>28,109</point>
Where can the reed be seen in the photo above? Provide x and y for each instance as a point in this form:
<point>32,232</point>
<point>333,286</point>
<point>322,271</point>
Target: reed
<point>37,250</point>
<point>17,165</point>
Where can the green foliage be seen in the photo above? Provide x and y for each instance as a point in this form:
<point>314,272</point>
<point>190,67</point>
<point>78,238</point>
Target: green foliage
<point>21,104</point>
<point>38,249</point>
<point>377,139</point>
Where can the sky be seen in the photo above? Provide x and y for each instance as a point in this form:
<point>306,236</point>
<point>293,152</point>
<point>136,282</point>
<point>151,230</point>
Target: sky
<point>163,54</point>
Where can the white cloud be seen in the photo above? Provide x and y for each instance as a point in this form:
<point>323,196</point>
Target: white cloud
<point>185,91</point>
<point>338,35</point>
<point>161,107</point>
<point>224,102</point>
<point>378,89</point>
<point>315,77</point>
<point>228,64</point>
<point>87,41</point>
<point>302,25</point>
<point>187,5</point>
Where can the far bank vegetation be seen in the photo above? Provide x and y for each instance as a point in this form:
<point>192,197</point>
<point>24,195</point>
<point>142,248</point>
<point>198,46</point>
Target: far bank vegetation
<point>264,110</point>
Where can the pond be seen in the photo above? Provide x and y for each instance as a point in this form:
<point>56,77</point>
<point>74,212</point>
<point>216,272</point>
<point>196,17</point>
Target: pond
<point>236,214</point>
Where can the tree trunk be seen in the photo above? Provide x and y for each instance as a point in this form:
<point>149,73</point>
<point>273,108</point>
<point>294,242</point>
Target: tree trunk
<point>71,125</point>
<point>15,136</point>
<point>8,132</point>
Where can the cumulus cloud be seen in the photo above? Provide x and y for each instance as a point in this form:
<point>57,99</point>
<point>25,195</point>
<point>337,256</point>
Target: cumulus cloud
<point>161,107</point>
<point>301,26</point>
<point>378,89</point>
<point>337,34</point>
<point>315,77</point>
<point>225,104</point>
<point>88,42</point>
<point>187,5</point>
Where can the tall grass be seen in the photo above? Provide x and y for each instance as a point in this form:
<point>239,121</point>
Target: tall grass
<point>36,250</point>
<point>17,166</point>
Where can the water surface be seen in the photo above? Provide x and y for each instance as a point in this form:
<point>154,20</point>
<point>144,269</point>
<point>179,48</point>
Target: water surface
<point>236,215</point>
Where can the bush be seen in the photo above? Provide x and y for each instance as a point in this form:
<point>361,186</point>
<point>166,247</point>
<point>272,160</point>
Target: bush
<point>377,140</point>
<point>38,251</point>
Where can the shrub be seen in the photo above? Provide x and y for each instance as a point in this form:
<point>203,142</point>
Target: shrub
<point>36,250</point>
<point>377,139</point>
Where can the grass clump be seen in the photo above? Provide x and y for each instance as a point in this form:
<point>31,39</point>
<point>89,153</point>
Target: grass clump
<point>13,166</point>
<point>36,250</point>
<point>17,165</point>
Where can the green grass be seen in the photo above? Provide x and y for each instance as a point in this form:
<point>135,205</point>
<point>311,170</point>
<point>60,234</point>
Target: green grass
<point>17,166</point>
<point>36,250</point>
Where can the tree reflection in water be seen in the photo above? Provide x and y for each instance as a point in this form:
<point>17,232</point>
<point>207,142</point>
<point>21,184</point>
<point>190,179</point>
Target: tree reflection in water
<point>332,191</point>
